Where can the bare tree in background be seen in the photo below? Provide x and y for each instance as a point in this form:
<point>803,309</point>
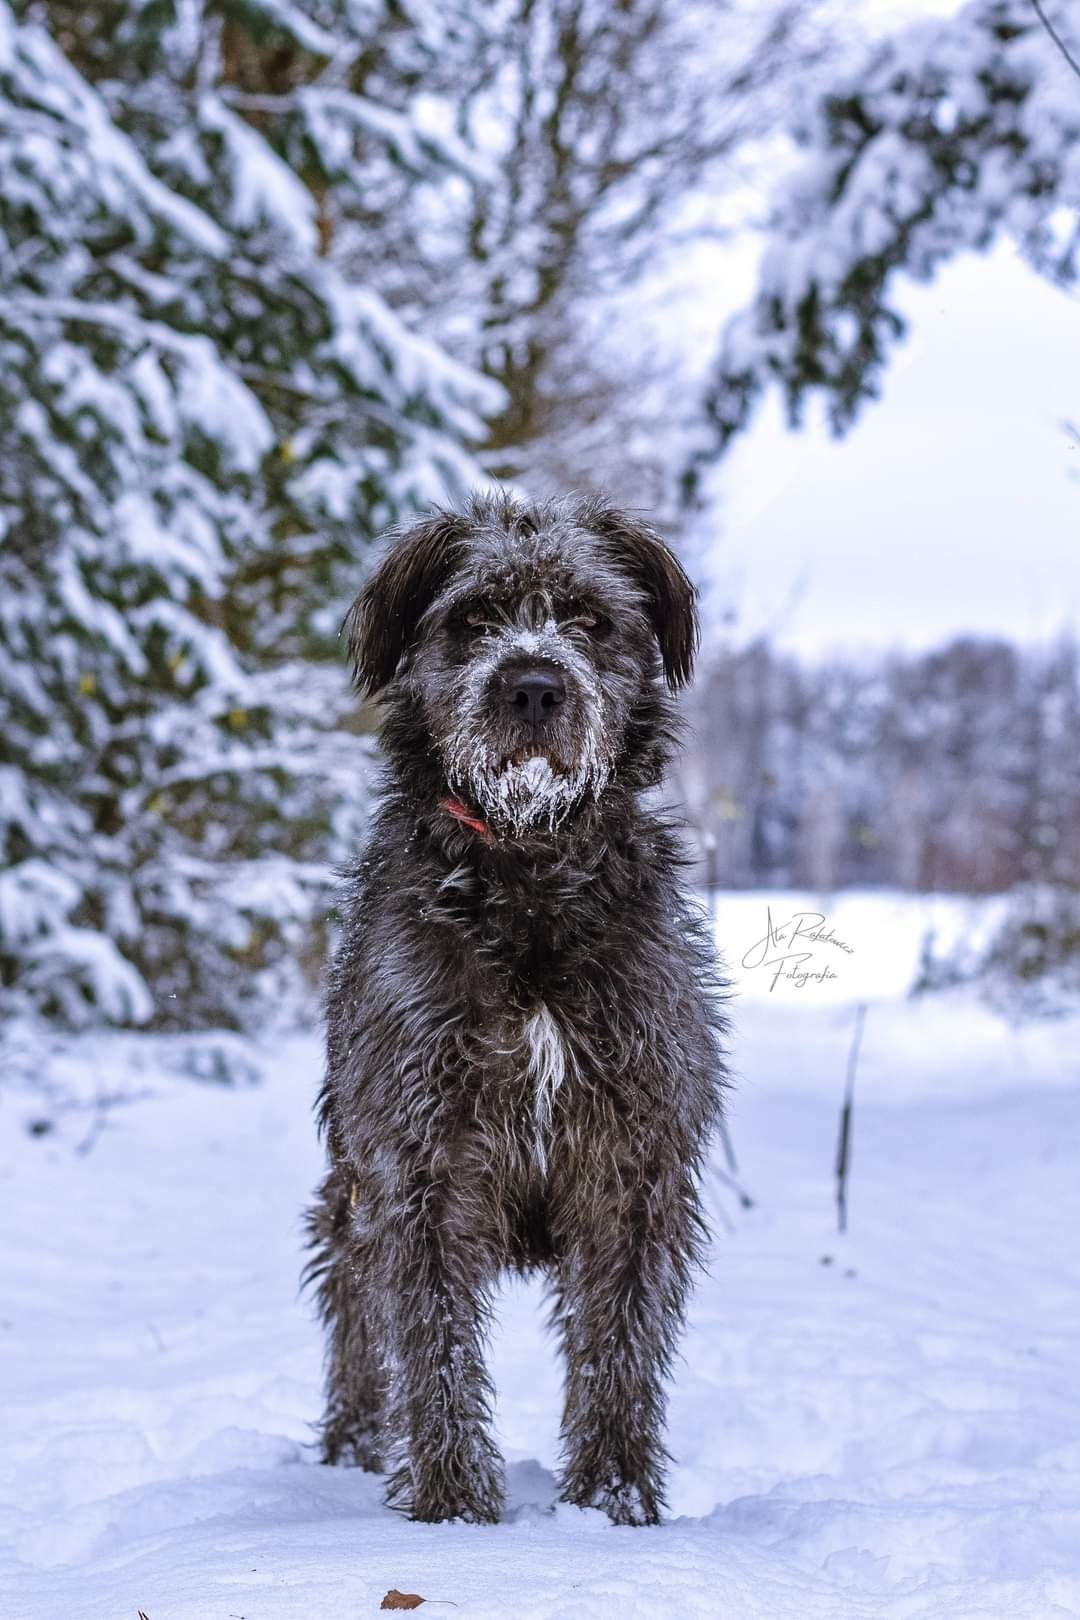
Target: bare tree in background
<point>610,132</point>
<point>951,769</point>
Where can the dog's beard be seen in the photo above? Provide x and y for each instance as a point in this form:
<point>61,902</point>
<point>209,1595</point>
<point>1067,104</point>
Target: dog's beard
<point>519,794</point>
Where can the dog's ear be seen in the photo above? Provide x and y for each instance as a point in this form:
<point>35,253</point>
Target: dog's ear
<point>672,599</point>
<point>382,621</point>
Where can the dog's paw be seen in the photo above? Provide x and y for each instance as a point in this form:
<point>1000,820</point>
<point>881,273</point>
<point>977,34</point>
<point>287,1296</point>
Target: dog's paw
<point>463,1512</point>
<point>346,1449</point>
<point>624,1503</point>
<point>433,1496</point>
<point>480,1503</point>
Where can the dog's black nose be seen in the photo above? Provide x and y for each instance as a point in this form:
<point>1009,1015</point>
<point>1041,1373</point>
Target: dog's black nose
<point>535,694</point>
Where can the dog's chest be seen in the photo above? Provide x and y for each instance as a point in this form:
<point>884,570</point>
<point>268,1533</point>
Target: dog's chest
<point>531,1005</point>
<point>525,1068</point>
<point>547,1059</point>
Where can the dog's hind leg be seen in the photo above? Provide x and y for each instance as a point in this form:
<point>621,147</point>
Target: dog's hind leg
<point>352,1423</point>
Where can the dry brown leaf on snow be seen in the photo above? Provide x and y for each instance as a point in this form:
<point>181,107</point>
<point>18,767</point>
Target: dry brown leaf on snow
<point>401,1600</point>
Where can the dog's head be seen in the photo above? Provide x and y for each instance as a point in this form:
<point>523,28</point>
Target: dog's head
<point>528,642</point>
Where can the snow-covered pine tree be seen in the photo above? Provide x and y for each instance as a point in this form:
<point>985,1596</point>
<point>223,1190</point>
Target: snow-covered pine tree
<point>204,421</point>
<point>950,134</point>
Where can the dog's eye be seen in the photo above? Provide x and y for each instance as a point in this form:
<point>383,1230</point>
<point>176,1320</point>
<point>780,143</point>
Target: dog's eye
<point>477,618</point>
<point>584,619</point>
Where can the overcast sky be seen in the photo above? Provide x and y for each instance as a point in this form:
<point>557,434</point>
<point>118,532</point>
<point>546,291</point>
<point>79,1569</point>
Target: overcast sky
<point>950,507</point>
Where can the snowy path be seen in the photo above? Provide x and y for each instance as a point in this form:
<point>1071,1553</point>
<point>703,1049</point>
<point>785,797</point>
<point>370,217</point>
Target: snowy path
<point>893,1434</point>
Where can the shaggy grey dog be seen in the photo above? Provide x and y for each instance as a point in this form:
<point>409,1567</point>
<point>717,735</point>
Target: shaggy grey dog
<point>524,1020</point>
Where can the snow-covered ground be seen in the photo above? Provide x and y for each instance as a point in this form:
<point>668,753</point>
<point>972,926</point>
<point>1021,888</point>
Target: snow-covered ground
<point>885,1424</point>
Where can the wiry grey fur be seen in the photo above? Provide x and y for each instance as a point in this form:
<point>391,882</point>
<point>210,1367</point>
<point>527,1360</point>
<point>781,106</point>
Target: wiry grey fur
<point>524,1020</point>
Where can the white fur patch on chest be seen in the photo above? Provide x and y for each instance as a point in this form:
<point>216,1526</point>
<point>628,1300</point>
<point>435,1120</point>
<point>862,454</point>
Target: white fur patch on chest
<point>547,1064</point>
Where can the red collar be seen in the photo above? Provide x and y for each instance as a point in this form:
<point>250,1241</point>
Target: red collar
<point>459,811</point>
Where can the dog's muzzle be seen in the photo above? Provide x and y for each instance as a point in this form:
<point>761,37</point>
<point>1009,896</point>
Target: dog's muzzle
<point>529,742</point>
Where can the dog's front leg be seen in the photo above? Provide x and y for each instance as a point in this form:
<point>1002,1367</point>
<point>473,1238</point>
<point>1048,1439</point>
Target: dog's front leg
<point>621,1289</point>
<point>446,1464</point>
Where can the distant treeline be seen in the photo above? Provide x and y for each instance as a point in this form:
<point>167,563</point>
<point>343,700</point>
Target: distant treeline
<point>955,769</point>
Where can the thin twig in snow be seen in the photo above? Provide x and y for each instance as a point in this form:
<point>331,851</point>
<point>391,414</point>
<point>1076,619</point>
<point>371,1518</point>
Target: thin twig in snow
<point>729,1151</point>
<point>843,1150</point>
<point>102,1105</point>
<point>736,1186</point>
<point>1056,37</point>
<point>719,1210</point>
